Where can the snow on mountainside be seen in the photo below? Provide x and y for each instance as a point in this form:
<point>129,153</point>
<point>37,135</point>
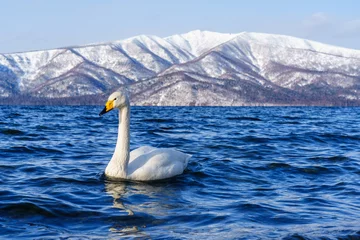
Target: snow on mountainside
<point>196,68</point>
<point>198,42</point>
<point>286,61</point>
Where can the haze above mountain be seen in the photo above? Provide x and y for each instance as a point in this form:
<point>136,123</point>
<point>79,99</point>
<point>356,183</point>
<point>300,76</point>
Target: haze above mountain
<point>196,68</point>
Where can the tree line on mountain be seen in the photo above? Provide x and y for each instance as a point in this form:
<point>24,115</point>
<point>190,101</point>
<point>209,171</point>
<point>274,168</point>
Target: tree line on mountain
<point>267,100</point>
<point>30,100</point>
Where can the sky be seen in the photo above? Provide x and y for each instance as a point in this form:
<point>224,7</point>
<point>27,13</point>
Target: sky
<point>44,24</point>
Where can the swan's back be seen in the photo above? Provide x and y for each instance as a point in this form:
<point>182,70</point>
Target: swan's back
<point>149,163</point>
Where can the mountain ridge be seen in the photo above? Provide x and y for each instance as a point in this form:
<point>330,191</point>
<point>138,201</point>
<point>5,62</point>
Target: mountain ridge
<point>203,61</point>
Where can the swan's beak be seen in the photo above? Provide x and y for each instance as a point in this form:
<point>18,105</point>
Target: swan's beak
<point>108,107</point>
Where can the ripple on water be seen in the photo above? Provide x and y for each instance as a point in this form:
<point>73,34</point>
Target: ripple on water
<point>244,118</point>
<point>24,209</point>
<point>12,132</point>
<point>43,128</point>
<point>32,149</point>
<point>278,165</point>
<point>331,159</point>
<point>157,120</point>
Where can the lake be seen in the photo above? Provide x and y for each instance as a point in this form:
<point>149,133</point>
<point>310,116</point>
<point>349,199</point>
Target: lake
<point>255,173</point>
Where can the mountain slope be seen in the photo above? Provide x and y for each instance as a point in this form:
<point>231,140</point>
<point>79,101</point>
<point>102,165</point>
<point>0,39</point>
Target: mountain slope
<point>196,68</point>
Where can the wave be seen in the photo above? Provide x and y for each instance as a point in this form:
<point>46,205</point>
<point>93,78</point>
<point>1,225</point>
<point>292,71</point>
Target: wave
<point>11,132</point>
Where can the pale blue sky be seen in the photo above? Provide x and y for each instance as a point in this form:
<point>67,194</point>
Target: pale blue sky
<point>43,24</point>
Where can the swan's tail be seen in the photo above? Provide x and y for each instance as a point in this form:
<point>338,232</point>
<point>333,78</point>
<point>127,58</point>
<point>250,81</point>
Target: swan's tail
<point>187,157</point>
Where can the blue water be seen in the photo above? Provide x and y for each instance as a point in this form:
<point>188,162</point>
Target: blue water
<point>256,173</point>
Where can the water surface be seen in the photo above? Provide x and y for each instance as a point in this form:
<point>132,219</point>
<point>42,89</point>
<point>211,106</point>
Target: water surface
<point>277,172</point>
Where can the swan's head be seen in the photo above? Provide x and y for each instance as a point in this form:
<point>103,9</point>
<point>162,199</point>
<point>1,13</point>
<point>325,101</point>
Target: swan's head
<point>115,100</point>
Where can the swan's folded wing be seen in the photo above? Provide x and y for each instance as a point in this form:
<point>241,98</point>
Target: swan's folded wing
<point>140,151</point>
<point>159,163</point>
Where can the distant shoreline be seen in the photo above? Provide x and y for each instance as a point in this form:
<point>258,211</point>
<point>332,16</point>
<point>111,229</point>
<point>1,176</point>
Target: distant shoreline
<point>99,100</point>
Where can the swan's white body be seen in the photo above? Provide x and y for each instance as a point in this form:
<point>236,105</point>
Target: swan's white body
<point>145,163</point>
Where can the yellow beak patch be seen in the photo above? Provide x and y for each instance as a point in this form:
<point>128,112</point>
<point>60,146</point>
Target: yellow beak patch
<point>109,105</point>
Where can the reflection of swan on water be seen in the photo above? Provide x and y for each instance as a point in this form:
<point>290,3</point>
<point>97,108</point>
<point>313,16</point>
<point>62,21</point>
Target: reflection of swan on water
<point>153,199</point>
<point>116,190</point>
<point>145,163</point>
<point>150,203</point>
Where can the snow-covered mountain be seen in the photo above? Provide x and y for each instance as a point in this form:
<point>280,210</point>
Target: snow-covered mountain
<point>196,68</point>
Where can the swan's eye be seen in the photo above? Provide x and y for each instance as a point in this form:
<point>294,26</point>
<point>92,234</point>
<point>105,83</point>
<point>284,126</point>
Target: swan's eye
<point>114,99</point>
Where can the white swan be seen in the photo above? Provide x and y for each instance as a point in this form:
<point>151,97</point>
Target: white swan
<point>145,163</point>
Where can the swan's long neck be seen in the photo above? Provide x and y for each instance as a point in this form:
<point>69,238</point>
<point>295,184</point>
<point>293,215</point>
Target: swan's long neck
<point>118,164</point>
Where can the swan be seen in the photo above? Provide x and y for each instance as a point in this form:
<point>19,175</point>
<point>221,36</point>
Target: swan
<point>144,163</point>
